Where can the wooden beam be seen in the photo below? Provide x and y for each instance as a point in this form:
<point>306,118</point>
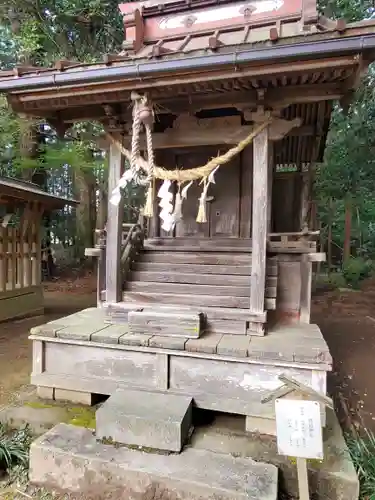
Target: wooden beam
<point>275,98</point>
<point>206,136</point>
<point>114,230</point>
<point>259,221</point>
<point>174,139</point>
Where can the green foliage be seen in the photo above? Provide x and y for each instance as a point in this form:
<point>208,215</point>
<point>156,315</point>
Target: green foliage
<point>362,452</point>
<point>14,447</point>
<point>356,270</point>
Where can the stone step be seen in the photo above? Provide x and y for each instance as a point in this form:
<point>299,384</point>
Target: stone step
<point>148,419</point>
<point>68,458</point>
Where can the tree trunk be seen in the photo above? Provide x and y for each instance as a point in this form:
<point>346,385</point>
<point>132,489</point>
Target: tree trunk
<point>84,188</point>
<point>329,235</point>
<point>348,228</point>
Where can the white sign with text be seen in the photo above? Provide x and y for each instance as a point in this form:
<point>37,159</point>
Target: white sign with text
<point>299,428</point>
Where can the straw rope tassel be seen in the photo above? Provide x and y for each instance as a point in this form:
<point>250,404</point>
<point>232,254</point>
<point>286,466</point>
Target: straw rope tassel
<point>148,210</point>
<point>201,216</point>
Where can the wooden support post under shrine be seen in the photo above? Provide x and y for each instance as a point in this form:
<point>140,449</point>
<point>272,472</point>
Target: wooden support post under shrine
<point>114,222</point>
<point>259,220</point>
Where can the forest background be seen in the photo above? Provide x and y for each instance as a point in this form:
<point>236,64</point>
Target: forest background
<point>43,31</point>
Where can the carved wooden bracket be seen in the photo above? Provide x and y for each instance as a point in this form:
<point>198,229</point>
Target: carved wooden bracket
<point>134,31</point>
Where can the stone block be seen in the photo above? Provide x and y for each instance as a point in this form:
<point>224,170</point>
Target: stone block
<point>82,331</point>
<point>135,339</point>
<point>151,420</point>
<point>110,335</point>
<point>258,425</point>
<point>207,343</point>
<point>45,392</point>
<point>68,458</point>
<point>176,343</point>
<point>234,345</point>
<point>333,479</point>
<point>78,397</point>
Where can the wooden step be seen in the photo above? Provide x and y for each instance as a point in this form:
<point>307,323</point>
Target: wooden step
<point>214,313</point>
<point>198,301</point>
<point>197,279</point>
<point>192,248</point>
<point>200,243</point>
<point>241,270</point>
<point>214,258</point>
<point>219,290</point>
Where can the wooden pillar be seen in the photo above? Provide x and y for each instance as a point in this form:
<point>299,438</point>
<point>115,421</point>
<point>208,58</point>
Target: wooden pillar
<point>114,229</point>
<point>305,198</point>
<point>259,220</point>
<point>270,184</point>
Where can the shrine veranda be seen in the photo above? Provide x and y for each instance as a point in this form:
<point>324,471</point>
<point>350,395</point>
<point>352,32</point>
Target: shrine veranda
<point>215,309</point>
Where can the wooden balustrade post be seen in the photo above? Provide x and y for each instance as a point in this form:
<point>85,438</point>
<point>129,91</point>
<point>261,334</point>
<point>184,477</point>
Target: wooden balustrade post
<point>114,229</point>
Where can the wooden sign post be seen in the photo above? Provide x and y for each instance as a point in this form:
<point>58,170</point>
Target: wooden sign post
<point>299,426</point>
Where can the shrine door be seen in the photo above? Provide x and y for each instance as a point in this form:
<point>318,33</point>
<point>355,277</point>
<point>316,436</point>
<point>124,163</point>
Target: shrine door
<point>223,205</point>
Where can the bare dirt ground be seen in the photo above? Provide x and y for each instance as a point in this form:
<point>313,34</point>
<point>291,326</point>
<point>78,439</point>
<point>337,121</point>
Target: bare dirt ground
<point>347,319</point>
<point>62,297</point>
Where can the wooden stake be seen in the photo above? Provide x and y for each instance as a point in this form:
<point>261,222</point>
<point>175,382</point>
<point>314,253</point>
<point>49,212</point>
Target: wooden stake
<point>303,484</point>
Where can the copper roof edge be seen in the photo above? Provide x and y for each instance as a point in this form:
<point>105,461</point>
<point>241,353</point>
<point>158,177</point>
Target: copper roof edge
<point>137,70</point>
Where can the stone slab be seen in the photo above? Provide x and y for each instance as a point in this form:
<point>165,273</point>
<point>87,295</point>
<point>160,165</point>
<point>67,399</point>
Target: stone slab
<point>148,419</point>
<point>135,339</point>
<point>82,331</point>
<point>334,478</point>
<point>234,345</point>
<point>207,343</point>
<point>69,459</point>
<point>110,335</point>
<point>176,343</point>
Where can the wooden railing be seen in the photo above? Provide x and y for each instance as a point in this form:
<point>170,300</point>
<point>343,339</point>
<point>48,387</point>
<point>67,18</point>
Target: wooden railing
<point>133,236</point>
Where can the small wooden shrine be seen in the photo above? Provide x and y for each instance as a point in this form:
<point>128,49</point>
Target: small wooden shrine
<point>221,109</point>
<point>22,205</point>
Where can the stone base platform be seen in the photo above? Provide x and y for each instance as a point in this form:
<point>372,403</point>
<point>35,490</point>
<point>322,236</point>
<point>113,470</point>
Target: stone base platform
<point>221,372</point>
<point>70,459</point>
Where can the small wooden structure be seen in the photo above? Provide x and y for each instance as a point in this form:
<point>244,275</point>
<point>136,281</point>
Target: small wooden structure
<point>22,205</point>
<point>216,71</point>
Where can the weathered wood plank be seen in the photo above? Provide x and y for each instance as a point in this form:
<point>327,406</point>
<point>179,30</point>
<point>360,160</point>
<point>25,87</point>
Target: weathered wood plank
<point>197,279</point>
<point>231,327</point>
<point>192,300</point>
<point>166,323</point>
<point>114,228</point>
<point>201,243</point>
<point>259,220</point>
<point>182,288</point>
<point>195,257</point>
<point>241,270</point>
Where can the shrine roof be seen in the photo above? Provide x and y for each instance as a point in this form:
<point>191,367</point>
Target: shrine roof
<point>28,191</point>
<point>230,49</point>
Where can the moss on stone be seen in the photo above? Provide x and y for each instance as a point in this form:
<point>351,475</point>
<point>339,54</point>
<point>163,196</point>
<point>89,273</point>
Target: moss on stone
<point>38,405</point>
<point>82,417</point>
